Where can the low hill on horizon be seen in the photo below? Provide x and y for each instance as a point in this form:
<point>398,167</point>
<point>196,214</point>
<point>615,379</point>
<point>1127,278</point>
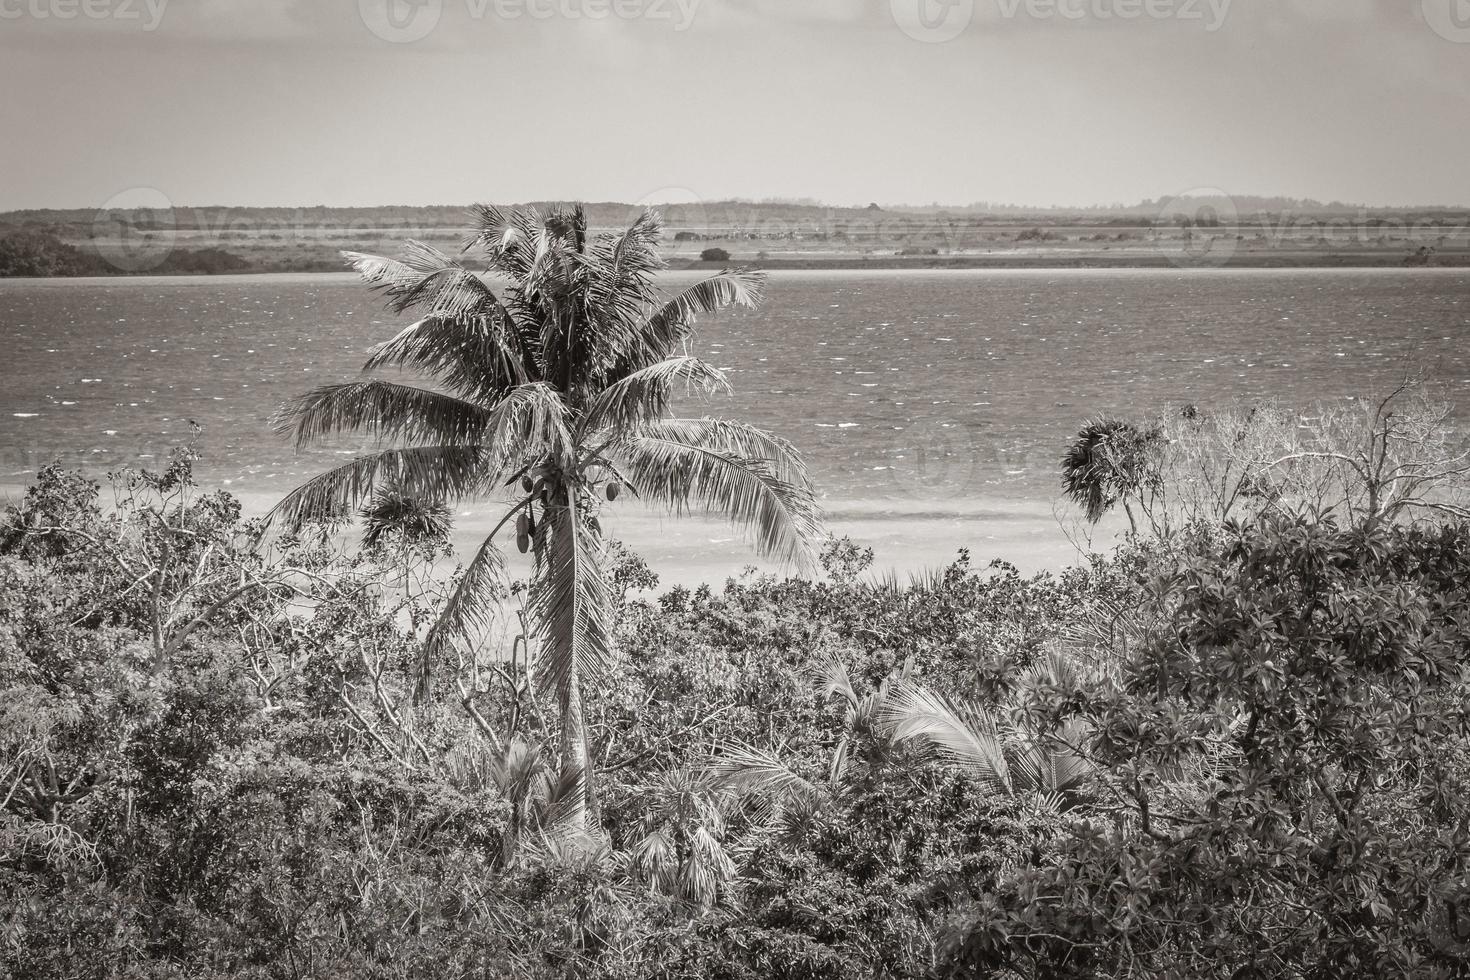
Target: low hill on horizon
<point>727,216</point>
<point>769,234</point>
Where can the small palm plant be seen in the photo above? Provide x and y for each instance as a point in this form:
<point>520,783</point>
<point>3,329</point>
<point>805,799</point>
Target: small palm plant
<point>395,517</point>
<point>1010,755</point>
<point>555,376</point>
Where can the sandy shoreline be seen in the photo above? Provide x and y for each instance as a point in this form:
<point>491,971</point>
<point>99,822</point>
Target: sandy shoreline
<point>907,536</point>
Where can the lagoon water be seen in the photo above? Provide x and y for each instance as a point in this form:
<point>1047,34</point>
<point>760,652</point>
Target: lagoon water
<point>937,394</point>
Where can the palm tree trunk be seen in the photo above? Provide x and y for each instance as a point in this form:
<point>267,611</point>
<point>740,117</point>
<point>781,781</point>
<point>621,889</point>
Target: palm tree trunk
<point>574,753</point>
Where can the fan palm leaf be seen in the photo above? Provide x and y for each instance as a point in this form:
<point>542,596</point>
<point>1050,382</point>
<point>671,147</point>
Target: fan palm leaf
<point>392,513</point>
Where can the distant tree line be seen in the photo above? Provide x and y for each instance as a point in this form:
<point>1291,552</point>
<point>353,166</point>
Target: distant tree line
<point>37,254</point>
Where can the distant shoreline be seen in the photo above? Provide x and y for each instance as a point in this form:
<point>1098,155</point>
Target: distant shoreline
<point>1264,259</point>
<point>1191,232</point>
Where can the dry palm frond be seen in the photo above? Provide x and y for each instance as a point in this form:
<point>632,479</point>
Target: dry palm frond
<point>468,613</point>
<point>569,603</point>
<point>530,422</point>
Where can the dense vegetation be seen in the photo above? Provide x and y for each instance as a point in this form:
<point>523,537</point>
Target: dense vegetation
<point>1245,757</point>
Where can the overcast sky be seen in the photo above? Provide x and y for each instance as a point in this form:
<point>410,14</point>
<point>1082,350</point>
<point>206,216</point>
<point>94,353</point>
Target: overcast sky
<point>302,102</point>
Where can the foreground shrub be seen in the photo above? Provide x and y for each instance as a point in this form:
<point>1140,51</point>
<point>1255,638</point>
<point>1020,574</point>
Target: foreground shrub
<point>1286,761</point>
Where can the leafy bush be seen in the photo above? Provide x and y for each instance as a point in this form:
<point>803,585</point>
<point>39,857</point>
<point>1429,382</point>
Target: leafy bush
<point>1286,759</point>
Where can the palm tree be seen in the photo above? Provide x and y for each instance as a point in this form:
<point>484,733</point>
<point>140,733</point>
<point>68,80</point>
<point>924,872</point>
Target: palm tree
<point>1110,461</point>
<point>555,376</point>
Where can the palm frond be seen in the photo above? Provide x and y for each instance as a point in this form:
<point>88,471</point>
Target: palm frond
<point>517,771</point>
<point>479,357</point>
<point>671,324</point>
<point>832,677</point>
<point>654,856</point>
<point>705,875</point>
<point>507,237</point>
<point>684,476</point>
<point>425,278</point>
<point>738,439</point>
<point>430,472</point>
<point>643,396</point>
<point>659,336</point>
<point>569,603</point>
<point>750,770</point>
<point>384,409</point>
<point>1049,765</point>
<point>569,225</point>
<point>530,422</point>
<point>468,613</point>
<point>838,767</point>
<point>1108,461</point>
<point>961,733</point>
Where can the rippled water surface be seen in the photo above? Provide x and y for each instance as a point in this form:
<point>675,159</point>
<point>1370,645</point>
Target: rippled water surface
<point>938,388</point>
